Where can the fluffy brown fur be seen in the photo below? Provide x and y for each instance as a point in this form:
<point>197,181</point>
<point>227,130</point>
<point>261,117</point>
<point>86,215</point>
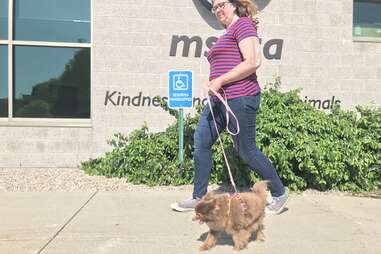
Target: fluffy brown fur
<point>237,217</point>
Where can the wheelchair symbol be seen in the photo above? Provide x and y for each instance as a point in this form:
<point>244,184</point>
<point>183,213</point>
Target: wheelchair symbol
<point>180,82</point>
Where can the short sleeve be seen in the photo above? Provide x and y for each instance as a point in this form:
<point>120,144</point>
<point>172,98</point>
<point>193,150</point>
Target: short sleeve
<point>245,28</point>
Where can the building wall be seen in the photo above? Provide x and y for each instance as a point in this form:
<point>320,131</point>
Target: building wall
<point>310,47</point>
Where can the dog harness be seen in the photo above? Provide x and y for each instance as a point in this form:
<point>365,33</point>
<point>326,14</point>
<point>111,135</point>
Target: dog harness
<point>239,198</point>
<point>230,198</point>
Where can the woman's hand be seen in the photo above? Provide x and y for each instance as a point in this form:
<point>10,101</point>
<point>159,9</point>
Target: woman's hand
<point>215,84</point>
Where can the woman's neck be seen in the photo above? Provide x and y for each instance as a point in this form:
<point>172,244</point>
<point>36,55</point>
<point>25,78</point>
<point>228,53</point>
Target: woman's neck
<point>235,18</point>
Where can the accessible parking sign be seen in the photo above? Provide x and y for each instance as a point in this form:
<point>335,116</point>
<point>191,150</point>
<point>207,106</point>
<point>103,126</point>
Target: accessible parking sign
<point>180,89</point>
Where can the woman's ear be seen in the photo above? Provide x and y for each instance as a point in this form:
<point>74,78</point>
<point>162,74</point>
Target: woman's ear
<point>234,3</point>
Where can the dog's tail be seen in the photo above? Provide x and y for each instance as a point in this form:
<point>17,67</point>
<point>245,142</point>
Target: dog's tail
<point>260,188</point>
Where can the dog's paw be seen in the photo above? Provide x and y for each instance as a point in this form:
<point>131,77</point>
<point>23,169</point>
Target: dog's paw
<point>204,247</point>
<point>260,237</point>
<point>241,245</point>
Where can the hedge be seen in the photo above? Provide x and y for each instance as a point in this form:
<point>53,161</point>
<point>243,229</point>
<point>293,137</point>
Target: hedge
<point>336,150</point>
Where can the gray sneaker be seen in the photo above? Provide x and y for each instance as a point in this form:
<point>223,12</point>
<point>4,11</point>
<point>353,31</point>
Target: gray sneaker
<point>277,204</point>
<point>186,205</point>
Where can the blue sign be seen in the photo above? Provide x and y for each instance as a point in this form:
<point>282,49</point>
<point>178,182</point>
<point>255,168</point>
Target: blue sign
<point>180,89</point>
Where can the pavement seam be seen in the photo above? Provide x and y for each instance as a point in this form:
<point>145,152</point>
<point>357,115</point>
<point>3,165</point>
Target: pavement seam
<point>67,222</point>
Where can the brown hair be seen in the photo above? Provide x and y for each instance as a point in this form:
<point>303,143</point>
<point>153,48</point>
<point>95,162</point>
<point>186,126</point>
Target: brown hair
<point>246,8</point>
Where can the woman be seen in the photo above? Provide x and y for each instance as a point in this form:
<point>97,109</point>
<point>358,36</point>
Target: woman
<point>234,59</point>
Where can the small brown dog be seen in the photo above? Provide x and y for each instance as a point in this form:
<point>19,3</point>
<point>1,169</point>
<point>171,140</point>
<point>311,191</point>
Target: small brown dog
<point>238,215</point>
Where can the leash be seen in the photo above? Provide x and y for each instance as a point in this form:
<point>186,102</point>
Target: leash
<point>228,111</point>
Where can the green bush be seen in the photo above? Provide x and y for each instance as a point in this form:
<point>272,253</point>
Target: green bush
<point>339,150</point>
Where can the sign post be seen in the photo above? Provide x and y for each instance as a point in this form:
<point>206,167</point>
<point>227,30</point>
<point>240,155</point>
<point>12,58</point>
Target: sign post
<point>180,96</point>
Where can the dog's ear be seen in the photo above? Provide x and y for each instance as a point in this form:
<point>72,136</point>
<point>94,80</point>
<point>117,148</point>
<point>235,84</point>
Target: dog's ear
<point>206,206</point>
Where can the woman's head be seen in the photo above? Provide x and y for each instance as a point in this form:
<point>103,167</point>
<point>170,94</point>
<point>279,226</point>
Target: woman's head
<point>226,10</point>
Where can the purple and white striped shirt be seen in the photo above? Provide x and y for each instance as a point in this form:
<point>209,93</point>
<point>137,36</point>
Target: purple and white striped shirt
<point>225,55</point>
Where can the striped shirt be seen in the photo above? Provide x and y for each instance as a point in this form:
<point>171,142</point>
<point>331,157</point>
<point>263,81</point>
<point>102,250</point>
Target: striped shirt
<point>225,55</point>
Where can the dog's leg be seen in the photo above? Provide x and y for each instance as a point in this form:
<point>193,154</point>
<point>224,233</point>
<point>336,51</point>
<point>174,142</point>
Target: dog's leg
<point>210,240</point>
<point>260,236</point>
<point>241,239</point>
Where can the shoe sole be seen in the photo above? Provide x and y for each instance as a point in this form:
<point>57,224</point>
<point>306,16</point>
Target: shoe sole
<point>177,208</point>
<point>280,209</point>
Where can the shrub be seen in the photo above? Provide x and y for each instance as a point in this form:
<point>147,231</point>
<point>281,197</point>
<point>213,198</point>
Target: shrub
<point>339,150</point>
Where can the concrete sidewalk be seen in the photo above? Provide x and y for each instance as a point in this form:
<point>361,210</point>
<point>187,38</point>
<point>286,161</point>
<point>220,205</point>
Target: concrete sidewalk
<point>142,222</point>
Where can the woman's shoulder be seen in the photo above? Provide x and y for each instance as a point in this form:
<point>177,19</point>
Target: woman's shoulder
<point>244,21</point>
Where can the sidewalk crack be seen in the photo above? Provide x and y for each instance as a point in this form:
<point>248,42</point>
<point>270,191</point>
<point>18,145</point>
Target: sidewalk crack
<point>66,223</point>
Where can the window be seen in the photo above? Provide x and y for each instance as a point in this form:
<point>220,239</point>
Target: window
<point>51,82</point>
<point>367,19</point>
<point>3,19</point>
<point>50,47</point>
<point>3,81</point>
<point>52,20</point>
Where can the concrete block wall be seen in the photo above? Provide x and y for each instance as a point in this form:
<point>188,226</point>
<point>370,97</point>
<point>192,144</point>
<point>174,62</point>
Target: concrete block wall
<point>44,146</point>
<point>131,56</point>
<point>320,54</point>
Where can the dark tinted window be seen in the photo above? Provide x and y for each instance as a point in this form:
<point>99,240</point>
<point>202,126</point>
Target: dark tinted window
<point>52,20</point>
<point>3,19</point>
<point>3,81</point>
<point>51,82</point>
<point>367,18</point>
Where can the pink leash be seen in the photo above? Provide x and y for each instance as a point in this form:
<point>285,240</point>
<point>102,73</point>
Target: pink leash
<point>228,111</point>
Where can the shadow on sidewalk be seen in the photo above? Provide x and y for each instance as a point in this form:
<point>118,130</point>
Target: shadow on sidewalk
<point>224,239</point>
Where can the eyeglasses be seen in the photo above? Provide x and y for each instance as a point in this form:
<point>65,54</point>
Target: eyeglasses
<point>220,6</point>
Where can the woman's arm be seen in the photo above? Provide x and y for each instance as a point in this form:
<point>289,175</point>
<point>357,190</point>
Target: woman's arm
<point>250,50</point>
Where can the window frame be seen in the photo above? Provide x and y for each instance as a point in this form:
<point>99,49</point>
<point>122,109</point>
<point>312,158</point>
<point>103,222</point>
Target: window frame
<point>41,122</point>
<point>363,38</point>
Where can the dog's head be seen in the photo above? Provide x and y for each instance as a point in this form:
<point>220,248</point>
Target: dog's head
<point>205,210</point>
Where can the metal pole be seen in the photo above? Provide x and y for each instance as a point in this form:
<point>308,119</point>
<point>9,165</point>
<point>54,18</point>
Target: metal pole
<point>181,138</point>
